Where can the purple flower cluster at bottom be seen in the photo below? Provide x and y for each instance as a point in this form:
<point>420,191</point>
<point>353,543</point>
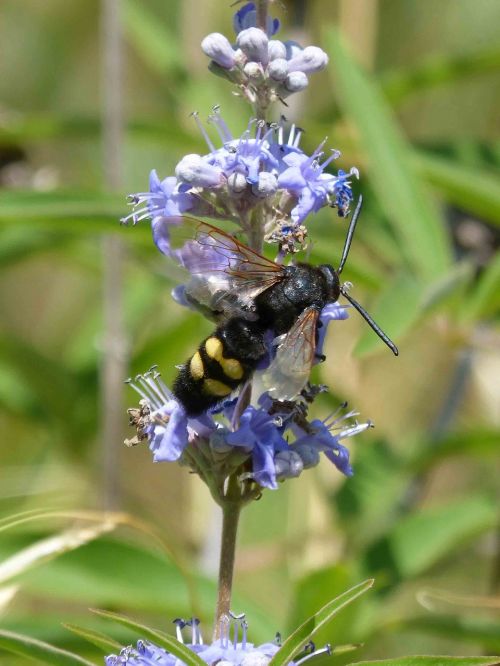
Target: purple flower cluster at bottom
<point>275,438</point>
<point>235,651</point>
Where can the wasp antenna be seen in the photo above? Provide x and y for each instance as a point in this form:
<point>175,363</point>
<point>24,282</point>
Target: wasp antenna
<point>350,234</point>
<point>371,323</point>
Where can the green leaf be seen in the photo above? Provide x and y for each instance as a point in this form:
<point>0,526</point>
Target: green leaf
<point>484,301</point>
<point>105,643</point>
<point>438,70</point>
<point>394,178</point>
<point>397,309</point>
<point>34,649</point>
<point>475,191</point>
<point>24,206</point>
<point>422,539</point>
<point>158,637</point>
<point>154,41</point>
<point>431,661</point>
<point>306,631</point>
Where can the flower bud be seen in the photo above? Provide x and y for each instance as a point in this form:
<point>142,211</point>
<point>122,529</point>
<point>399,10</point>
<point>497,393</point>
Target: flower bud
<point>292,49</point>
<point>288,464</point>
<point>276,49</point>
<point>278,69</point>
<point>311,59</point>
<point>195,170</point>
<point>254,72</point>
<point>218,48</point>
<point>267,185</point>
<point>296,81</point>
<point>237,183</point>
<point>254,44</point>
<point>308,454</point>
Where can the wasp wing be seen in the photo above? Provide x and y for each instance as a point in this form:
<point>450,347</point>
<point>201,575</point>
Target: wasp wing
<point>289,371</point>
<point>225,274</point>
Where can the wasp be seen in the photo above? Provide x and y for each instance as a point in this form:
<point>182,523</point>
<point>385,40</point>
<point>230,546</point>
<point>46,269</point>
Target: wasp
<point>251,298</point>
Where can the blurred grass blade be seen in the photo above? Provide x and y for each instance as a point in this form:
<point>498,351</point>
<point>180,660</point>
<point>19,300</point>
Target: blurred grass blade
<point>427,536</point>
<point>401,194</point>
<point>484,301</point>
<point>438,70</point>
<point>475,191</point>
<point>35,649</point>
<point>105,643</point>
<point>157,45</point>
<point>28,205</point>
<point>296,641</point>
<point>396,310</point>
<point>47,549</point>
<point>431,661</point>
<point>158,637</point>
<point>7,594</point>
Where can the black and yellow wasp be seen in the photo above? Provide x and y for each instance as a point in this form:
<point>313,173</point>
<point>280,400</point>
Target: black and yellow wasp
<point>249,296</point>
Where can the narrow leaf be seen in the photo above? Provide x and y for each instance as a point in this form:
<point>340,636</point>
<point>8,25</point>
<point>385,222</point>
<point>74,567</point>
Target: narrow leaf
<point>432,661</point>
<point>307,629</point>
<point>394,178</point>
<point>438,70</point>
<point>46,549</point>
<point>158,637</point>
<point>105,643</point>
<point>35,649</point>
<point>475,191</point>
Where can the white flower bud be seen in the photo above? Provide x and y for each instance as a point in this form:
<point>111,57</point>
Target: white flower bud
<point>194,169</point>
<point>218,48</point>
<point>276,49</point>
<point>296,81</point>
<point>267,185</point>
<point>237,183</point>
<point>288,464</point>
<point>254,71</point>
<point>278,69</point>
<point>254,43</point>
<point>311,59</point>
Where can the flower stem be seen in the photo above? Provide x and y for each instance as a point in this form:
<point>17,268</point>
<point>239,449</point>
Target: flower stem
<point>230,517</point>
<point>262,14</point>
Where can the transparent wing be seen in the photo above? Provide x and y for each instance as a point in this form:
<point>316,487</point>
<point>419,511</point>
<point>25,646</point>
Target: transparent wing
<point>225,274</point>
<point>289,372</point>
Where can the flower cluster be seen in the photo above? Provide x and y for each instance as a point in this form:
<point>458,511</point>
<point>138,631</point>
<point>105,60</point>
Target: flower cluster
<point>265,169</point>
<point>264,69</point>
<point>231,416</point>
<point>233,650</point>
<point>261,444</point>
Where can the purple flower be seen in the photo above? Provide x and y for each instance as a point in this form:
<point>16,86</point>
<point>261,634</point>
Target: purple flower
<point>306,179</point>
<point>166,198</point>
<point>258,434</point>
<point>162,419</point>
<point>246,17</point>
<point>331,312</point>
<point>320,437</point>
<point>231,649</point>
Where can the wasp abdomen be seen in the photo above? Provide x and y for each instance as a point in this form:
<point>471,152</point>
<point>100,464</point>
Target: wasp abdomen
<point>223,361</point>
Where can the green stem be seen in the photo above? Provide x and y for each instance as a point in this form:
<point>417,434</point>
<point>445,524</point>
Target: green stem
<point>230,517</point>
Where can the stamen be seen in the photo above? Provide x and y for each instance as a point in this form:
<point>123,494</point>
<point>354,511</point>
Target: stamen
<point>298,136</point>
<point>138,390</point>
<point>179,626</point>
<point>326,650</point>
<point>152,398</point>
<point>244,631</point>
<point>203,131</point>
<point>154,387</point>
<point>224,624</point>
<point>291,135</point>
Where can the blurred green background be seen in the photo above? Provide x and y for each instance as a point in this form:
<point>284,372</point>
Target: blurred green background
<point>411,97</point>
